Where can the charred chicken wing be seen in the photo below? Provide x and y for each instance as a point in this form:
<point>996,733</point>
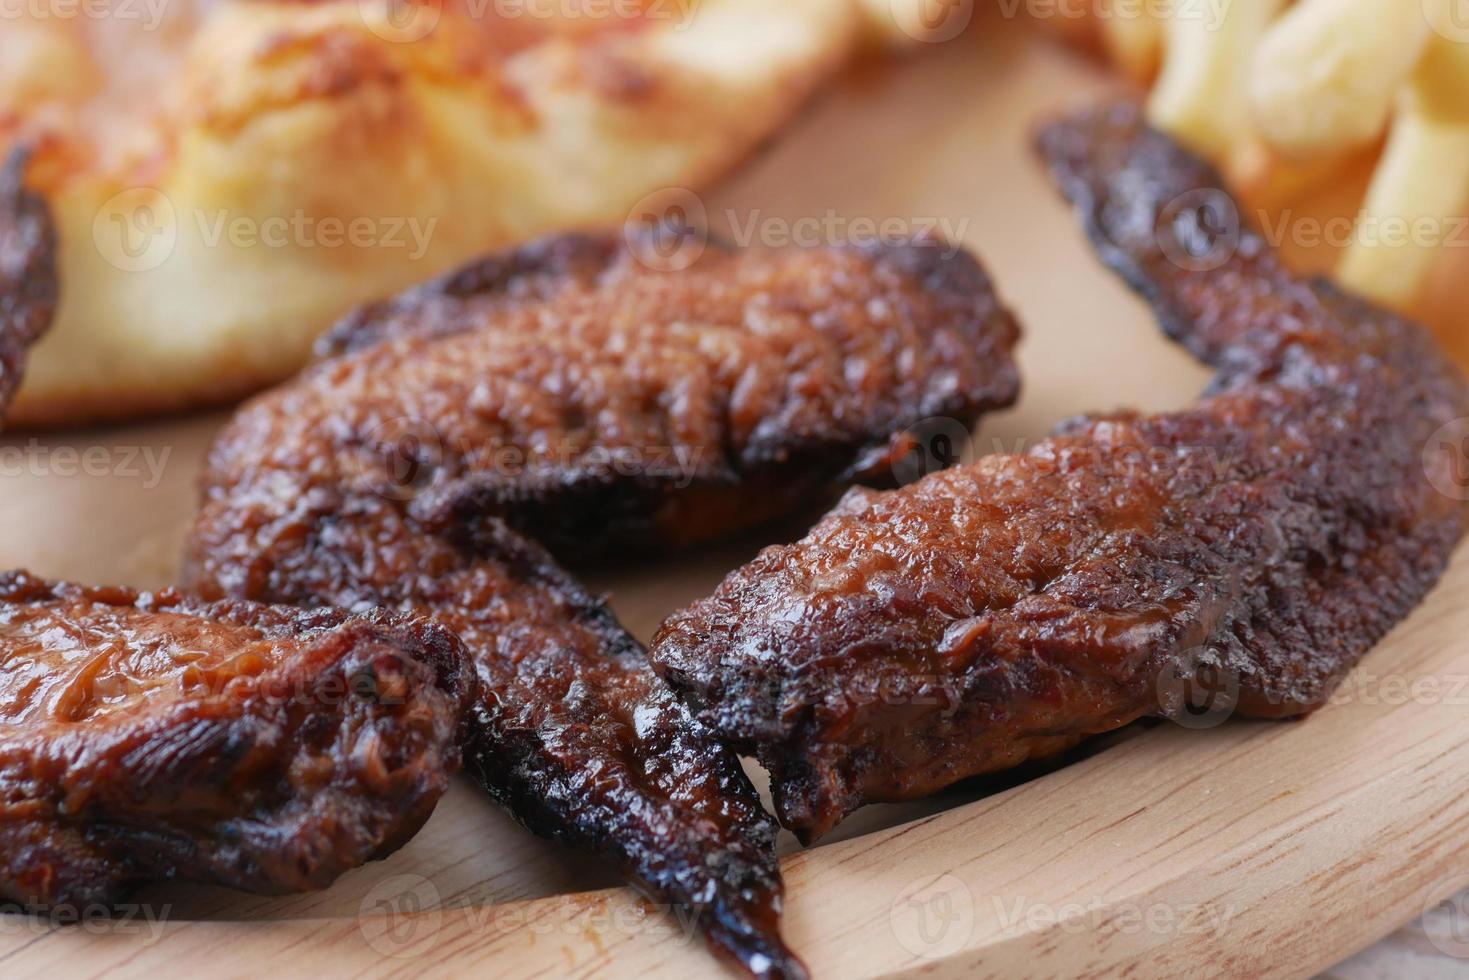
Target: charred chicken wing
<point>1257,544</point>
<point>28,283</point>
<point>603,406</point>
<point>151,736</point>
<point>572,732</point>
<point>575,394</point>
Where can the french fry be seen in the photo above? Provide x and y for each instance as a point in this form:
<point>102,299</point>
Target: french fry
<point>1421,184</point>
<point>1328,72</point>
<point>1290,97</point>
<point>1202,93</point>
<point>1132,34</point>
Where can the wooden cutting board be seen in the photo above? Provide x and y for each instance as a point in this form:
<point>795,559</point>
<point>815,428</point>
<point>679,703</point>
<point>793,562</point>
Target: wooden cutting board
<point>1243,849</point>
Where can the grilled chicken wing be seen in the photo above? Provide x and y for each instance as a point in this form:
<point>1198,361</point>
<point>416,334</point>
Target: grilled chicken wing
<point>638,409</point>
<point>155,736</point>
<point>28,281</point>
<point>605,407</point>
<point>1259,542</point>
<point>573,732</point>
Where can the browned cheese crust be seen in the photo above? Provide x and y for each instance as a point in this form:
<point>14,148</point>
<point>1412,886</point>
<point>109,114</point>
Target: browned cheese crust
<point>153,736</point>
<point>1258,543</point>
<point>396,140</point>
<point>28,285</point>
<point>643,409</point>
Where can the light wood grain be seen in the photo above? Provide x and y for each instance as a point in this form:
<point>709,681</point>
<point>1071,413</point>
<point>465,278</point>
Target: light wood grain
<point>1248,849</point>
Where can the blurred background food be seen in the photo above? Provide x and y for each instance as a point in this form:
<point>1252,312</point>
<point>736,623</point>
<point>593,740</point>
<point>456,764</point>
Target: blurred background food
<point>1344,122</point>
<point>229,177</point>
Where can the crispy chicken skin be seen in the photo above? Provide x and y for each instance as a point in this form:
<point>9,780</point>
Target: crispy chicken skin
<point>604,407</point>
<point>573,732</point>
<point>1266,537</point>
<point>151,736</point>
<point>378,479</point>
<point>28,282</point>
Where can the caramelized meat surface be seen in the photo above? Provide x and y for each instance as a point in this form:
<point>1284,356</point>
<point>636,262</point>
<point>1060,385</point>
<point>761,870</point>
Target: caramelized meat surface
<point>1258,543</point>
<point>573,732</point>
<point>150,736</point>
<point>571,392</point>
<point>28,278</point>
<point>604,407</point>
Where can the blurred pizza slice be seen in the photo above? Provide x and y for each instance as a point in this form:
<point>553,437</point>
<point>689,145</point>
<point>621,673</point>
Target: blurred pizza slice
<point>229,177</point>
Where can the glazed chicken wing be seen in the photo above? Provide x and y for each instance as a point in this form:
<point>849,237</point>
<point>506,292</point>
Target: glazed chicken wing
<point>603,406</point>
<point>567,391</point>
<point>28,284</point>
<point>1259,542</point>
<point>152,736</point>
<point>573,732</point>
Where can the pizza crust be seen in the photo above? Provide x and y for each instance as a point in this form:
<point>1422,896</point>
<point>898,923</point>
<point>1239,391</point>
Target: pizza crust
<point>292,161</point>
